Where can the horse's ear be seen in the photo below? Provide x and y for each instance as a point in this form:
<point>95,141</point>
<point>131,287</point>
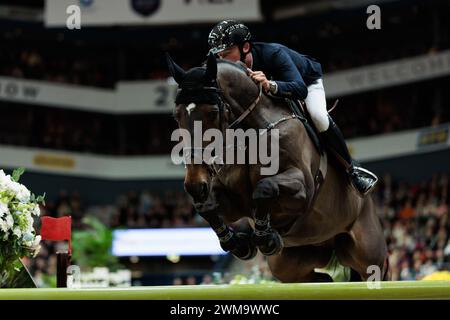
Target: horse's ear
<point>175,70</point>
<point>211,68</point>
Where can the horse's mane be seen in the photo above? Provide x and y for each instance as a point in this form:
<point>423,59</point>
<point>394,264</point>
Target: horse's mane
<point>238,65</point>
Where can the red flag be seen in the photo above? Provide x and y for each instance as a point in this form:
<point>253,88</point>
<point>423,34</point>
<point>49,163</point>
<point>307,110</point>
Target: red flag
<point>57,229</point>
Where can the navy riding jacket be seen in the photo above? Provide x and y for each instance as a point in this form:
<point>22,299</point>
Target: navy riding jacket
<point>293,72</point>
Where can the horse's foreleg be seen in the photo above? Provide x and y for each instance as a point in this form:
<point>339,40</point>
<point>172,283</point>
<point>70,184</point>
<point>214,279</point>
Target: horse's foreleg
<point>267,191</point>
<point>267,240</point>
<point>238,243</point>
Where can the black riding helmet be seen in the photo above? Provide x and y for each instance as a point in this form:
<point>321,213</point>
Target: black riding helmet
<point>228,33</point>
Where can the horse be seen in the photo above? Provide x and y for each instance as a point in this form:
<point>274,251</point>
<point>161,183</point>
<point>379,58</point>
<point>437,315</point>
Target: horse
<point>292,217</point>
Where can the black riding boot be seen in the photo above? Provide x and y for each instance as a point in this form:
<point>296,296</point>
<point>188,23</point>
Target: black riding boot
<point>361,179</point>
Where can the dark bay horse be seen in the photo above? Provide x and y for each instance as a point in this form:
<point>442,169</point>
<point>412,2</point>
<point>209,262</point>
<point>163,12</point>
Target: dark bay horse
<point>286,216</point>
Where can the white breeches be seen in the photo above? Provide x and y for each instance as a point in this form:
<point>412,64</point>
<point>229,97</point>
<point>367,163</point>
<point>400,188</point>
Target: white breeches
<point>316,104</point>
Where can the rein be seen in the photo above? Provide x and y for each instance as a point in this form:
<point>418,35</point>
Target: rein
<point>216,168</point>
<point>248,110</point>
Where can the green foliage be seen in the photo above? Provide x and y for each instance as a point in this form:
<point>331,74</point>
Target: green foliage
<point>49,281</point>
<point>92,247</point>
<point>38,199</point>
<point>17,173</point>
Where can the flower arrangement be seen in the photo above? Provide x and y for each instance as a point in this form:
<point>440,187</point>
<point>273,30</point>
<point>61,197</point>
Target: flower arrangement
<point>18,208</point>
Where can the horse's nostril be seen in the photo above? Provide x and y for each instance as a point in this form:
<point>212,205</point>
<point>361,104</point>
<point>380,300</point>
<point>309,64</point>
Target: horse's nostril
<point>198,191</point>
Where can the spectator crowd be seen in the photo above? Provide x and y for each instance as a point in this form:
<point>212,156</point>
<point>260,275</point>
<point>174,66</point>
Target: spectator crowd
<point>390,110</point>
<point>417,226</point>
<point>101,57</point>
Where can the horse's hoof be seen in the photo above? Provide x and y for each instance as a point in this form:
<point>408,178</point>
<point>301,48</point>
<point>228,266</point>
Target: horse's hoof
<point>245,249</point>
<point>241,246</point>
<point>269,244</point>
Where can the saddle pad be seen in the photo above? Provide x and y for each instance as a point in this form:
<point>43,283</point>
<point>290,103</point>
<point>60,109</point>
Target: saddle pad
<point>306,120</point>
<point>304,117</point>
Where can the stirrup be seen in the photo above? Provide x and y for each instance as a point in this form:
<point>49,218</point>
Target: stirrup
<point>363,170</point>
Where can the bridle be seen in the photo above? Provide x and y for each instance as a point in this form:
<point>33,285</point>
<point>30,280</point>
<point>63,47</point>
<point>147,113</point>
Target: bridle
<point>223,104</point>
<point>214,167</point>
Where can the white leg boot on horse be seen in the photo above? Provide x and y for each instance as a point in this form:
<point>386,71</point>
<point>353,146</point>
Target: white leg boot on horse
<point>361,179</point>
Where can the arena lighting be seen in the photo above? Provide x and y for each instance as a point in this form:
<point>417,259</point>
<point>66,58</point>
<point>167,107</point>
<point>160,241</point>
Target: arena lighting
<point>166,242</point>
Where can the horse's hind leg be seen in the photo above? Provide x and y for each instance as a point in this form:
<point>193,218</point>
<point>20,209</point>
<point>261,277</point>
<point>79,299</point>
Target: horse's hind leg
<point>364,248</point>
<point>266,193</point>
<point>297,264</point>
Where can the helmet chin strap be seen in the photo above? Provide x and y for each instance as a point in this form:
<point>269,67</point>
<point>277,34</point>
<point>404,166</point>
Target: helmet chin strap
<point>243,54</point>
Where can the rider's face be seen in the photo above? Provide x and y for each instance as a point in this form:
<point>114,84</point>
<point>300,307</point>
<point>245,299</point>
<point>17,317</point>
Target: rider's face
<point>232,54</point>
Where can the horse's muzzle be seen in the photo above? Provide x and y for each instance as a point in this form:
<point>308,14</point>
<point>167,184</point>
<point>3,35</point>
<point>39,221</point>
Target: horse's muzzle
<point>199,191</point>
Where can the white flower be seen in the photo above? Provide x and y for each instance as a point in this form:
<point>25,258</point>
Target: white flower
<point>37,240</point>
<point>3,177</point>
<point>29,225</point>
<point>21,192</point>
<point>3,209</point>
<point>5,181</point>
<point>37,211</point>
<point>9,221</point>
<point>3,226</point>
<point>12,185</point>
<point>36,250</point>
<point>3,184</point>
<point>28,238</point>
<point>17,232</point>
<point>36,247</point>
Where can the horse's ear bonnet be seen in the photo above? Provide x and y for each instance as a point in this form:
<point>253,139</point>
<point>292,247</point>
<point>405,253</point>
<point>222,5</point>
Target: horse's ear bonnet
<point>198,85</point>
<point>175,70</point>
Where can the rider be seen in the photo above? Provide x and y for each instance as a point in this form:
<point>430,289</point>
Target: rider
<point>294,76</point>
